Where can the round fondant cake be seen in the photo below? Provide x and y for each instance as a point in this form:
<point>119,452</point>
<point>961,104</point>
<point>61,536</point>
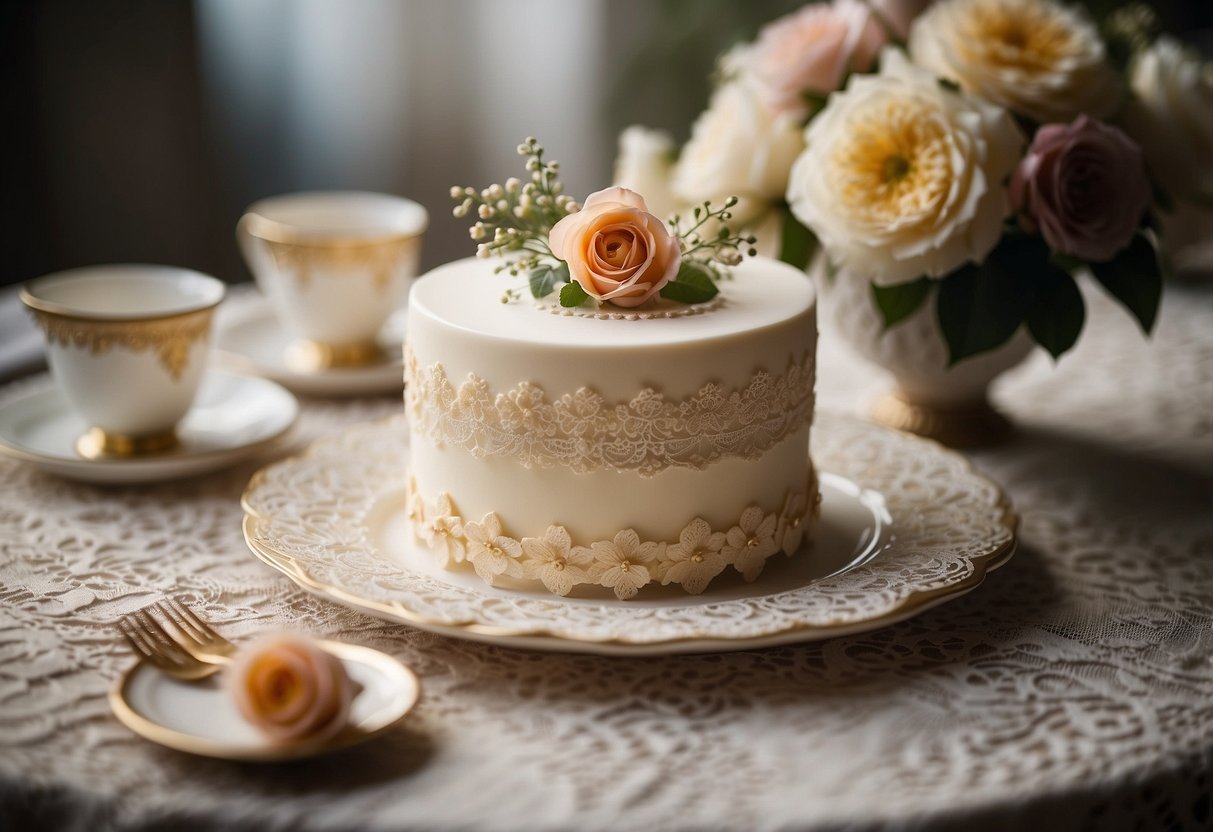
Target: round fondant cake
<point>607,446</point>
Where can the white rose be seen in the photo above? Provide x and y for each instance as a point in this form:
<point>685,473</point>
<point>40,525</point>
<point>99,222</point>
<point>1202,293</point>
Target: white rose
<point>738,147</point>
<point>645,159</point>
<point>1037,58</point>
<point>1171,117</point>
<point>904,178</point>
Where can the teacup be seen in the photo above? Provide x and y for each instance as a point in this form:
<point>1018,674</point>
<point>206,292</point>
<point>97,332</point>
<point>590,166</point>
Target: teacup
<point>335,265</point>
<point>127,346</point>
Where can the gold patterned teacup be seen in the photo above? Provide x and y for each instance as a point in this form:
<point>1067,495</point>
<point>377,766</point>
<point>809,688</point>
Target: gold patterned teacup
<point>127,346</point>
<point>335,265</point>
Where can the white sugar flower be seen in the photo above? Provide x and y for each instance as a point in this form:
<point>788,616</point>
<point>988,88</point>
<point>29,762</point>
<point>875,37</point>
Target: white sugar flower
<point>695,559</point>
<point>622,564</point>
<point>1038,58</point>
<point>789,534</point>
<point>904,178</point>
<point>553,560</point>
<point>443,532</point>
<point>1171,117</point>
<point>491,552</point>
<point>751,542</point>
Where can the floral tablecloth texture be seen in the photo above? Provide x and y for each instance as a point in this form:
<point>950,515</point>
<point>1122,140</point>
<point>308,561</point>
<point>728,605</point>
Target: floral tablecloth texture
<point>1074,688</point>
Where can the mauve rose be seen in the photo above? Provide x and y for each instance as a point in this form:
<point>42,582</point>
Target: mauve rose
<point>811,49</point>
<point>1083,185</point>
<point>616,250</point>
<point>290,688</point>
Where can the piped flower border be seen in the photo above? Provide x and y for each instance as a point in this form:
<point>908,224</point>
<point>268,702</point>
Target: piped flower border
<point>623,564</point>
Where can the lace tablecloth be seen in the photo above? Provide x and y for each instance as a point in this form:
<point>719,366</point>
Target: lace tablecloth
<point>1074,689</point>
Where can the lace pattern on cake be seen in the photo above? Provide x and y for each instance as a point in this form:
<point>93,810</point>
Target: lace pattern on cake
<point>583,432</point>
<point>623,564</point>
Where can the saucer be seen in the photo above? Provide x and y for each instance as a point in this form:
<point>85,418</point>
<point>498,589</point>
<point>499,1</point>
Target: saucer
<point>201,718</point>
<point>255,342</point>
<point>905,525</point>
<point>232,417</point>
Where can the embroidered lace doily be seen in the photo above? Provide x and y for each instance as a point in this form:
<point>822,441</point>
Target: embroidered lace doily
<point>312,517</point>
<point>1071,690</point>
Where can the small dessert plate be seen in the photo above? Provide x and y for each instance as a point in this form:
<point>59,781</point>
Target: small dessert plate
<point>201,718</point>
<point>232,417</point>
<point>255,342</point>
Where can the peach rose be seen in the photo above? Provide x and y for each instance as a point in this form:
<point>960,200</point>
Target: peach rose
<point>290,688</point>
<point>616,250</point>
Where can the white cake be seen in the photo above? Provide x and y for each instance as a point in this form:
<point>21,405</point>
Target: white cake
<point>606,446</point>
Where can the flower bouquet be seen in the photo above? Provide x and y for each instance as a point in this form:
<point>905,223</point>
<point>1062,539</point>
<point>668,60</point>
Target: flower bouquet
<point>962,162</point>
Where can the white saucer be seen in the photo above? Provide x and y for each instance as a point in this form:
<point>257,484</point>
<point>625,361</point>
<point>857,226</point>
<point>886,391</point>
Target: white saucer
<point>255,342</point>
<point>905,525</point>
<point>200,717</point>
<point>232,417</point>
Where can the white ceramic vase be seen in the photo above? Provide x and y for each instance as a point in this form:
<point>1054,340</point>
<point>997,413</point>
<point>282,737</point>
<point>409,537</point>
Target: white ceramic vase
<point>948,404</point>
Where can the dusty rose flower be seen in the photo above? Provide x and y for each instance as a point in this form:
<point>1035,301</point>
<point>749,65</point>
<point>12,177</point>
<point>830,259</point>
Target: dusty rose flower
<point>290,688</point>
<point>1038,58</point>
<point>616,250</point>
<point>810,50</point>
<point>1083,186</point>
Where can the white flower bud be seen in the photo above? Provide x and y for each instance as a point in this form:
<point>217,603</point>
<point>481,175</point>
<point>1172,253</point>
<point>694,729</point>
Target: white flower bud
<point>485,212</point>
<point>511,184</point>
<point>482,250</point>
<point>456,192</point>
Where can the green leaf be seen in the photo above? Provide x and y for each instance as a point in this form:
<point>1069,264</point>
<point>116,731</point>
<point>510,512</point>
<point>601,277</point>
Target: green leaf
<point>573,295</point>
<point>898,302</point>
<point>691,285</point>
<point>1058,314</point>
<point>1134,278</point>
<point>545,278</point>
<point>797,243</point>
<point>980,307</point>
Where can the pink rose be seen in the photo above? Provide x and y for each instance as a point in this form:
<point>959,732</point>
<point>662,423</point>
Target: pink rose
<point>811,50</point>
<point>290,688</point>
<point>1083,186</point>
<point>616,250</point>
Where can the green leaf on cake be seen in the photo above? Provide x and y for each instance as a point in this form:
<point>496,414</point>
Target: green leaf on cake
<point>573,295</point>
<point>693,284</point>
<point>544,279</point>
<point>896,303</point>
<point>1134,278</point>
<point>1058,314</point>
<point>797,243</point>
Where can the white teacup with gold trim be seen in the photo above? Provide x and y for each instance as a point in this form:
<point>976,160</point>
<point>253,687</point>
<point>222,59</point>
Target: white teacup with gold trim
<point>128,345</point>
<point>335,265</point>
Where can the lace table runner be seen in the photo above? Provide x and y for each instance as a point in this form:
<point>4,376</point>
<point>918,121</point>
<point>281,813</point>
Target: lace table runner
<point>1073,689</point>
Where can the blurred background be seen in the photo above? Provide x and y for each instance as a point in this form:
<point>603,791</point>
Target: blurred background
<point>138,130</point>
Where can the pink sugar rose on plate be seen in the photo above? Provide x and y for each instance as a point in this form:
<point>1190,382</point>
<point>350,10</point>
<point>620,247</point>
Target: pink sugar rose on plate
<point>811,50</point>
<point>615,249</point>
<point>1084,187</point>
<point>290,688</point>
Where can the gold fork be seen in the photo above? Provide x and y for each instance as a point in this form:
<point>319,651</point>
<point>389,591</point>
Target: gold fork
<point>197,637</point>
<point>153,644</point>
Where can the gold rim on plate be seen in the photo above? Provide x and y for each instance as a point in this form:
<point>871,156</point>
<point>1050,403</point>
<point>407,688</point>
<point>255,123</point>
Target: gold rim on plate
<point>270,751</point>
<point>997,520</point>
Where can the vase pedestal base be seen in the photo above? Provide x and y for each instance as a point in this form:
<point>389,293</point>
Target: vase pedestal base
<point>960,426</point>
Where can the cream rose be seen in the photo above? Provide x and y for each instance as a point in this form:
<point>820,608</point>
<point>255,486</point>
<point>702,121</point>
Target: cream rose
<point>738,147</point>
<point>810,50</point>
<point>644,165</point>
<point>903,178</point>
<point>290,688</point>
<point>1037,58</point>
<point>615,249</point>
<point>1171,116</point>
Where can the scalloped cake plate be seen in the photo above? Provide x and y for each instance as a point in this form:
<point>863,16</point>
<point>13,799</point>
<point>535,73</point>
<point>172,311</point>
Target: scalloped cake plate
<point>905,525</point>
